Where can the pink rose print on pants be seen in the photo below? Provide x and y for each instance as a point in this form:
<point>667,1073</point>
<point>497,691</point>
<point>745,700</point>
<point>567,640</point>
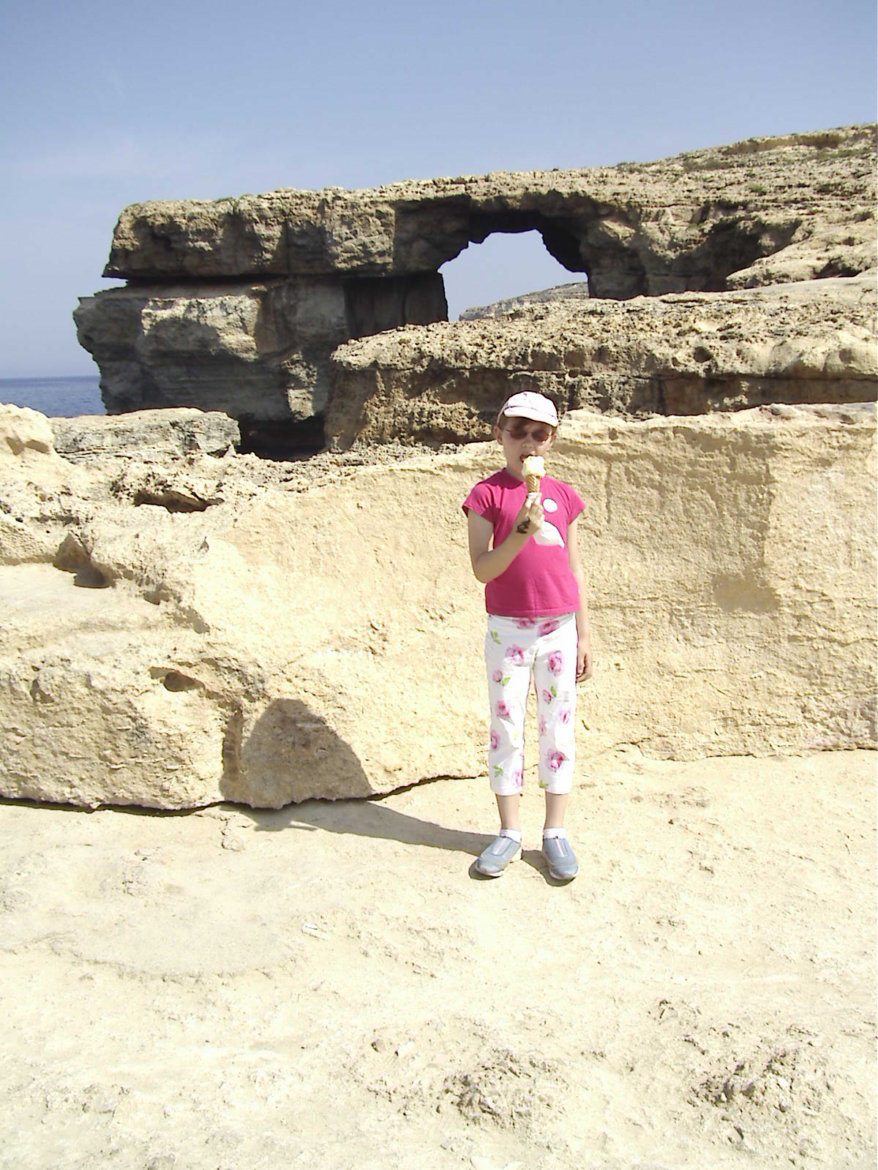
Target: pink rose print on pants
<point>556,662</point>
<point>515,655</point>
<point>502,709</point>
<point>495,740</point>
<point>549,627</point>
<point>547,696</point>
<point>519,779</point>
<point>564,715</point>
<point>556,760</point>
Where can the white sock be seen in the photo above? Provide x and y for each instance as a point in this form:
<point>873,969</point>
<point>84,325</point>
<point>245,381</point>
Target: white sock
<point>548,834</point>
<point>515,834</point>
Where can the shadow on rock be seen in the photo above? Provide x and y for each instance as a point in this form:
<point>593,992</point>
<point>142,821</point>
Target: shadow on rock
<point>287,753</point>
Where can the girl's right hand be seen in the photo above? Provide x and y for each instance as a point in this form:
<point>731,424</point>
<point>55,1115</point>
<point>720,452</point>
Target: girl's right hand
<point>531,516</point>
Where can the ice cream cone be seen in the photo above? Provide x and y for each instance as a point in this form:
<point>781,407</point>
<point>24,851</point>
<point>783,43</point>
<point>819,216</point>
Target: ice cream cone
<point>533,468</point>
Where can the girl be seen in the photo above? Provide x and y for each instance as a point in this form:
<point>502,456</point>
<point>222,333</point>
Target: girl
<point>524,549</point>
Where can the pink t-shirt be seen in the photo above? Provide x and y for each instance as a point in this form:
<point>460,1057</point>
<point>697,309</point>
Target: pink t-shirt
<point>539,582</point>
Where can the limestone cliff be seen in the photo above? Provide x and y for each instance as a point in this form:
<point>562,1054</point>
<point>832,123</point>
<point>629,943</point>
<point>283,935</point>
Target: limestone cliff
<point>705,220</point>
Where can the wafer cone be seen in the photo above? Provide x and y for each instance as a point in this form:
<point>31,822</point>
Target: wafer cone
<point>533,469</point>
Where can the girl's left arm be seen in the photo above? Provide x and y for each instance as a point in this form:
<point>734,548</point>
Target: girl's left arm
<point>583,629</point>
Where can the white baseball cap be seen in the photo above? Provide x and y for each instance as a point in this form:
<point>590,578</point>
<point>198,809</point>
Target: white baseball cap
<point>530,405</point>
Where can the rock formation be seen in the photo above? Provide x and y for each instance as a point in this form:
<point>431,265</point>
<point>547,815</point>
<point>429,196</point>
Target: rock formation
<point>679,354</point>
<point>238,304</point>
<point>577,291</point>
<point>149,433</point>
<point>179,630</point>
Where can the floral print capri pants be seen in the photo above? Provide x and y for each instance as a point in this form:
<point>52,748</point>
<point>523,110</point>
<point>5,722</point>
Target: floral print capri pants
<point>516,650</point>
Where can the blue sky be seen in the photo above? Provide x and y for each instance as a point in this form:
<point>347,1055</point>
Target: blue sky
<point>107,104</point>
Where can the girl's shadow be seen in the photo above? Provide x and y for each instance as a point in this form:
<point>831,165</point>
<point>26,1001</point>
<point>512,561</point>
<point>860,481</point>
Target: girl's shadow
<point>312,744</point>
<point>368,818</point>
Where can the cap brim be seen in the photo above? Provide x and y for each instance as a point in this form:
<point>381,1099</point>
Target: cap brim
<point>515,412</point>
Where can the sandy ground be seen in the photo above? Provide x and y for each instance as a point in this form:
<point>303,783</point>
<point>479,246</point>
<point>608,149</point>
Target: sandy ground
<point>330,985</point>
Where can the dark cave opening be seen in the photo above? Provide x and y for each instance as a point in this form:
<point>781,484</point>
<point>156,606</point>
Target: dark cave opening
<point>283,441</point>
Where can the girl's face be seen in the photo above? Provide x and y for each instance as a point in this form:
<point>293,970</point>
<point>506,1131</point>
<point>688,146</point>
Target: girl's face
<point>520,437</point>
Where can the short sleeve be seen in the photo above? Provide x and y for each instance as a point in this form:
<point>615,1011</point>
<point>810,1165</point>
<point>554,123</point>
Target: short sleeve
<point>481,502</point>
<point>575,504</point>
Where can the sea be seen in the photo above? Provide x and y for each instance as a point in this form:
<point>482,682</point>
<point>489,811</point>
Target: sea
<point>56,397</point>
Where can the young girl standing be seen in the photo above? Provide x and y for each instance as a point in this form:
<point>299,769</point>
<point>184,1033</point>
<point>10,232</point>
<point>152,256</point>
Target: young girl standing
<point>523,547</point>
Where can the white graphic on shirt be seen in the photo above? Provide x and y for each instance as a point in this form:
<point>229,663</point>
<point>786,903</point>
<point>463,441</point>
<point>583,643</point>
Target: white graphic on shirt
<point>548,534</point>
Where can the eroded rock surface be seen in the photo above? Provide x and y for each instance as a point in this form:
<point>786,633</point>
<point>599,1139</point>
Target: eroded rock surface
<point>695,221</point>
<point>153,433</point>
<point>679,354</point>
<point>291,638</point>
<point>237,304</point>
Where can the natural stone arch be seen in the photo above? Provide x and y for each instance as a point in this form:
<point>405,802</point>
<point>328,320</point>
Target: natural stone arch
<point>432,234</point>
<point>619,258</point>
<point>240,304</point>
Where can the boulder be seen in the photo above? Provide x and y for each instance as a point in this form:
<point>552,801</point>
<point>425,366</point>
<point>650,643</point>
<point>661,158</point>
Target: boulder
<point>35,485</point>
<point>316,630</point>
<point>25,434</point>
<point>97,714</point>
<point>158,433</point>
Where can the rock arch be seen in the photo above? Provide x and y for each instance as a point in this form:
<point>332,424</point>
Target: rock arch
<point>239,304</point>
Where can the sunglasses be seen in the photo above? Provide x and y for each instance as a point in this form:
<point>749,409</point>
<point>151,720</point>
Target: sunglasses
<point>538,434</point>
